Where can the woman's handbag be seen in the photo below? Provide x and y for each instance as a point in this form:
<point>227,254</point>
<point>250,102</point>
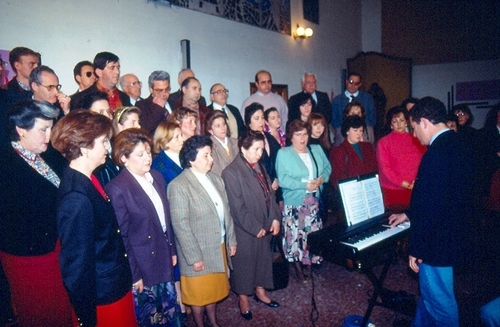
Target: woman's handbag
<point>280,264</point>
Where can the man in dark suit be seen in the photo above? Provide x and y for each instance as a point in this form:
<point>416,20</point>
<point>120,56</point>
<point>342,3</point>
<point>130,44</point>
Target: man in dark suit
<point>107,69</point>
<point>45,86</point>
<point>219,95</point>
<point>84,76</point>
<point>155,108</point>
<point>23,61</point>
<point>175,97</point>
<point>321,101</point>
<point>440,212</point>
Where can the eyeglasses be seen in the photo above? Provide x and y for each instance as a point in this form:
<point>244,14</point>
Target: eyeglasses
<point>221,92</point>
<point>135,83</point>
<point>298,134</point>
<point>354,83</point>
<point>167,90</point>
<point>89,74</point>
<point>458,114</point>
<point>2,62</point>
<point>52,87</point>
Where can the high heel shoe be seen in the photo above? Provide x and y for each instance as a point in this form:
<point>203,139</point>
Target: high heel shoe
<point>272,304</point>
<point>247,315</point>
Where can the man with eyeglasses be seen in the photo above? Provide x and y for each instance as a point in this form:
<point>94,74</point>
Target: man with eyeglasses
<point>84,76</point>
<point>22,60</point>
<point>131,85</point>
<point>218,96</point>
<point>352,84</point>
<point>264,96</point>
<point>107,70</point>
<point>155,108</point>
<point>45,87</point>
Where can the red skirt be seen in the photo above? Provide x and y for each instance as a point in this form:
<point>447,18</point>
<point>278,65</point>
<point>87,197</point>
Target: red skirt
<point>38,294</point>
<point>120,313</point>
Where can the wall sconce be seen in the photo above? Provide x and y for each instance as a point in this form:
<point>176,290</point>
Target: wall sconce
<point>303,33</point>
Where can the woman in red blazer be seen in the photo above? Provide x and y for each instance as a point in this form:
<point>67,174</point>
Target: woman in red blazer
<point>352,157</point>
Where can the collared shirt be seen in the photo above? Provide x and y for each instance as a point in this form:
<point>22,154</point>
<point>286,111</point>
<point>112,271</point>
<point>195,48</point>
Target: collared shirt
<point>437,134</point>
<point>23,86</point>
<point>350,95</point>
<point>146,183</point>
<point>231,120</point>
<point>37,163</point>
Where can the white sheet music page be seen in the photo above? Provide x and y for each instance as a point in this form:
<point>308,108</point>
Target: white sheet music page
<point>373,196</point>
<point>354,202</point>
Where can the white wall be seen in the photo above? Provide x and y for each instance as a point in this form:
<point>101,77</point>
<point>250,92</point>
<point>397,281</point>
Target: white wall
<point>147,37</point>
<point>436,80</point>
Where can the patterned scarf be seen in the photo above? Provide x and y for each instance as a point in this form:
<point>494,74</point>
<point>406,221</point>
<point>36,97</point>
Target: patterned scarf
<point>37,163</point>
<point>266,188</point>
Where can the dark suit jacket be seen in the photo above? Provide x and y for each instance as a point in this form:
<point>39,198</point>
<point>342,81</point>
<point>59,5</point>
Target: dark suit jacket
<point>323,106</point>
<point>28,205</point>
<point>94,263</point>
<point>15,93</point>
<point>236,113</point>
<point>167,167</point>
<point>151,114</point>
<point>440,204</point>
<point>77,97</point>
<point>149,250</point>
<point>346,162</point>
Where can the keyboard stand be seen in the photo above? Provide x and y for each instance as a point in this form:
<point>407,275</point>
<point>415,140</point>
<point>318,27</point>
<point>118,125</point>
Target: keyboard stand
<point>401,301</point>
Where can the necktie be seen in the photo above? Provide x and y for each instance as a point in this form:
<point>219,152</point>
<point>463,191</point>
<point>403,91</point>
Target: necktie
<point>352,98</point>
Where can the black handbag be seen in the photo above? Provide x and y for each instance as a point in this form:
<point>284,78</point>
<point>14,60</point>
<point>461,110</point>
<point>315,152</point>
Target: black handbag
<point>280,264</point>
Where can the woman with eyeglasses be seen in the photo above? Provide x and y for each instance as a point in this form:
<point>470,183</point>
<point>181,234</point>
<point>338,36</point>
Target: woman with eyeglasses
<point>94,262</point>
<point>30,175</point>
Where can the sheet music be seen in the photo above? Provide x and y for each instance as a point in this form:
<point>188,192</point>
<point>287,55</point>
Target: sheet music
<point>373,196</point>
<point>354,202</point>
<point>362,199</point>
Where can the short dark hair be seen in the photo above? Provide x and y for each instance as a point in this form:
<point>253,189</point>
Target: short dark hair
<point>103,58</point>
<point>126,141</point>
<point>354,74</point>
<point>351,122</point>
<point>209,120</point>
<point>408,100</point>
<point>79,129</point>
<point>78,68</point>
<point>452,117</point>
<point>36,74</point>
<point>268,111</point>
<point>18,52</point>
<point>251,109</point>
<point>23,114</point>
<point>191,147</point>
<point>188,80</point>
<point>249,138</point>
<point>429,108</point>
<point>466,110</point>
<point>296,126</point>
<point>394,111</point>
<point>88,99</point>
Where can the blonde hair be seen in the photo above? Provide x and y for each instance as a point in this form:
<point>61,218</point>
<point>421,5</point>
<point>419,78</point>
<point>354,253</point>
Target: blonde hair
<point>164,133</point>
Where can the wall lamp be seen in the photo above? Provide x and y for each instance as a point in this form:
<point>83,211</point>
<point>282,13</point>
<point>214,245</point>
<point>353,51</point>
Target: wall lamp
<point>303,33</point>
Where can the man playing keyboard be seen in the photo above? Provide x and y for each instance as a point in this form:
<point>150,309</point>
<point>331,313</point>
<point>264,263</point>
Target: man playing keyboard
<point>439,212</point>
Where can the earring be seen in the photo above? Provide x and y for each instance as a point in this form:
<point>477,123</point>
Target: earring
<point>23,135</point>
<point>125,164</point>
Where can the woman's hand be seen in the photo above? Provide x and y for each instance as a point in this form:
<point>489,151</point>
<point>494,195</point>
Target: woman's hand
<point>319,181</point>
<point>199,266</point>
<point>275,184</point>
<point>261,233</point>
<point>275,227</point>
<point>174,260</point>
<point>312,186</point>
<point>406,185</point>
<point>138,286</point>
<point>232,251</point>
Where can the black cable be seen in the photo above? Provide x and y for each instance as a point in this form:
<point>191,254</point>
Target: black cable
<point>314,315</point>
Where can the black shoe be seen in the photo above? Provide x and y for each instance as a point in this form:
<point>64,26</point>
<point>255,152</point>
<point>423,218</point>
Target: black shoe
<point>247,315</point>
<point>272,304</point>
